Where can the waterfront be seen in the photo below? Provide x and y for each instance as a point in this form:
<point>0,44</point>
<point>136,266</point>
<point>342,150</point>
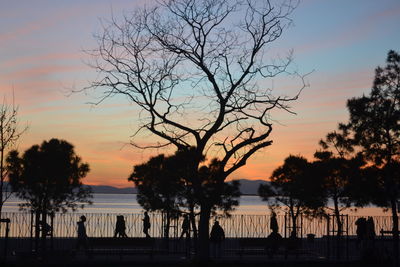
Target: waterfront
<point>250,219</point>
<point>127,204</point>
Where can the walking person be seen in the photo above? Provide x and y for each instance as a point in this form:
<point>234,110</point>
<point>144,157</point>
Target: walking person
<point>274,240</point>
<point>274,223</point>
<point>185,227</point>
<point>120,227</point>
<point>217,235</point>
<point>146,224</point>
<point>82,237</point>
<point>361,231</point>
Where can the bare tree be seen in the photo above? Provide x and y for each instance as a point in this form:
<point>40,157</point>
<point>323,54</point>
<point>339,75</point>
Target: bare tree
<point>9,135</point>
<point>197,70</point>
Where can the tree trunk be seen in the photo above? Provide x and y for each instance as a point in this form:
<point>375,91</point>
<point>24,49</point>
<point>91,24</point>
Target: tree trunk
<point>204,229</point>
<point>192,217</point>
<point>167,224</point>
<point>44,231</point>
<point>293,217</point>
<point>337,216</point>
<point>37,230</point>
<point>395,231</point>
<point>294,224</point>
<point>1,198</point>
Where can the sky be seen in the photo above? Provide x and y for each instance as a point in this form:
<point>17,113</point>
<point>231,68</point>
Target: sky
<point>42,59</point>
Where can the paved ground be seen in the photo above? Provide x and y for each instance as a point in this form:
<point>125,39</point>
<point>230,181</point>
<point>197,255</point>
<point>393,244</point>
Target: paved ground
<point>316,255</point>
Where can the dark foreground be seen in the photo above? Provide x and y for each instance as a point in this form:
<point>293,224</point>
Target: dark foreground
<point>202,264</point>
<point>233,252</point>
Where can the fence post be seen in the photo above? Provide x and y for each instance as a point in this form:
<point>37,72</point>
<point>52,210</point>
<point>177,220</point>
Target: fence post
<point>347,236</point>
<point>301,225</point>
<point>242,226</point>
<point>328,252</point>
<point>285,225</point>
<point>7,221</point>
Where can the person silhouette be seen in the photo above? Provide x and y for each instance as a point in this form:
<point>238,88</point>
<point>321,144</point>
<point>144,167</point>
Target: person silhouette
<point>370,228</point>
<point>146,224</point>
<point>274,240</point>
<point>82,237</point>
<point>361,231</point>
<point>45,228</point>
<point>217,235</point>
<point>185,227</point>
<point>274,223</point>
<point>120,227</point>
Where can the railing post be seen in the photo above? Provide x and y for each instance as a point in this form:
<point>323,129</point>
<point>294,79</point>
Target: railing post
<point>285,226</point>
<point>328,252</point>
<point>242,226</point>
<point>347,236</point>
<point>301,225</point>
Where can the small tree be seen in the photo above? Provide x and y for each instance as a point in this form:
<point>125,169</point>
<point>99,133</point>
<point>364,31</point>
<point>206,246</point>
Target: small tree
<point>292,186</point>
<point>337,167</point>
<point>49,178</point>
<point>159,187</point>
<point>9,135</point>
<point>163,185</point>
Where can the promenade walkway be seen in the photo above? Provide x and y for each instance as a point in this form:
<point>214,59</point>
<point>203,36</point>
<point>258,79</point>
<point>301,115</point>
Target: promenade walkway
<point>175,253</point>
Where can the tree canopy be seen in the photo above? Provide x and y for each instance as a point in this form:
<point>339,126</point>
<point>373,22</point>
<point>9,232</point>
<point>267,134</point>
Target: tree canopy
<point>49,177</point>
<point>374,127</point>
<point>293,186</point>
<point>164,185</point>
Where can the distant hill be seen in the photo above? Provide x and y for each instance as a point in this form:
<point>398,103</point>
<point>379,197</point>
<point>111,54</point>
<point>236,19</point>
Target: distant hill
<point>250,187</point>
<point>247,187</point>
<point>106,189</point>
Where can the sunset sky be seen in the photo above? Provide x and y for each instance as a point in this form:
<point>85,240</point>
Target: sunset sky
<point>42,59</point>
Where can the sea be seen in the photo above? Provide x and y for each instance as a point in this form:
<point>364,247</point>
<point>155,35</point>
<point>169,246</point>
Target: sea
<point>127,204</point>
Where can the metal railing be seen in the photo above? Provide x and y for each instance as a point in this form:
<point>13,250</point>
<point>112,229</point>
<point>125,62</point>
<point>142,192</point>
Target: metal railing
<point>235,226</point>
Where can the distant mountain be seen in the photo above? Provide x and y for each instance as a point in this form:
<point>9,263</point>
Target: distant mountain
<point>106,189</point>
<point>247,187</point>
<point>250,187</point>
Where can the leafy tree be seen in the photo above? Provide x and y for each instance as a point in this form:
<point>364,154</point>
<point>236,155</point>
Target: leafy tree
<point>163,185</point>
<point>219,194</point>
<point>293,186</point>
<point>197,71</point>
<point>9,135</point>
<point>49,178</point>
<point>337,167</point>
<point>159,188</point>
<point>374,124</point>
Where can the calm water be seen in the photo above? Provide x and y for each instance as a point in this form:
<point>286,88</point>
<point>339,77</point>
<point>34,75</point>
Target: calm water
<point>126,203</point>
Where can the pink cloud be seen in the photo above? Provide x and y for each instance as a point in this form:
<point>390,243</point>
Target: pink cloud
<point>41,71</point>
<point>23,61</point>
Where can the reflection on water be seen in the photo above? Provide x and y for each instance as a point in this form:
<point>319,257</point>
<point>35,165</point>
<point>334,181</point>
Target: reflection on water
<point>126,203</point>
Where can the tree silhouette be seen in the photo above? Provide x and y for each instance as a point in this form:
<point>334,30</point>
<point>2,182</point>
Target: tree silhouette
<point>194,68</point>
<point>374,123</point>
<point>159,187</point>
<point>164,185</point>
<point>49,178</point>
<point>338,166</point>
<point>9,135</point>
<point>293,186</point>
